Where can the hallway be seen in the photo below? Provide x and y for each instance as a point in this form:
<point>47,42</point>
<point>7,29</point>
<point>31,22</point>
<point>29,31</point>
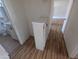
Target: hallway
<point>55,48</point>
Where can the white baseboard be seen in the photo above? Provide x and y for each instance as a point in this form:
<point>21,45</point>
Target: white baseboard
<point>58,17</point>
<point>74,52</point>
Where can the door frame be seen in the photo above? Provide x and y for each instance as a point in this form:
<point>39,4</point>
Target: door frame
<point>67,14</point>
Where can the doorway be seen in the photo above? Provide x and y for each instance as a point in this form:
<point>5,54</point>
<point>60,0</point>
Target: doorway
<point>8,37</point>
<point>60,13</point>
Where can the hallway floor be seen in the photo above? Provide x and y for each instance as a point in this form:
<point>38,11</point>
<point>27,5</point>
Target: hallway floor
<point>9,43</point>
<point>57,24</point>
<point>54,49</point>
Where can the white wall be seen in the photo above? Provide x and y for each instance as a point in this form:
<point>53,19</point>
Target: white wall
<point>36,9</point>
<point>60,8</point>
<point>23,12</point>
<point>71,31</point>
<point>17,14</point>
<point>67,14</point>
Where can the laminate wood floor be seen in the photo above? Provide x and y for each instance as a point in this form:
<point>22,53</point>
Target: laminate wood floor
<point>54,49</point>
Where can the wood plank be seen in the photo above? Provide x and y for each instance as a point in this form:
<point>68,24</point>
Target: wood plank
<point>54,49</point>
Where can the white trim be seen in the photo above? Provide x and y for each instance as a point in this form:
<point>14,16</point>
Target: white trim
<point>74,52</point>
<point>56,17</point>
<point>69,8</point>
